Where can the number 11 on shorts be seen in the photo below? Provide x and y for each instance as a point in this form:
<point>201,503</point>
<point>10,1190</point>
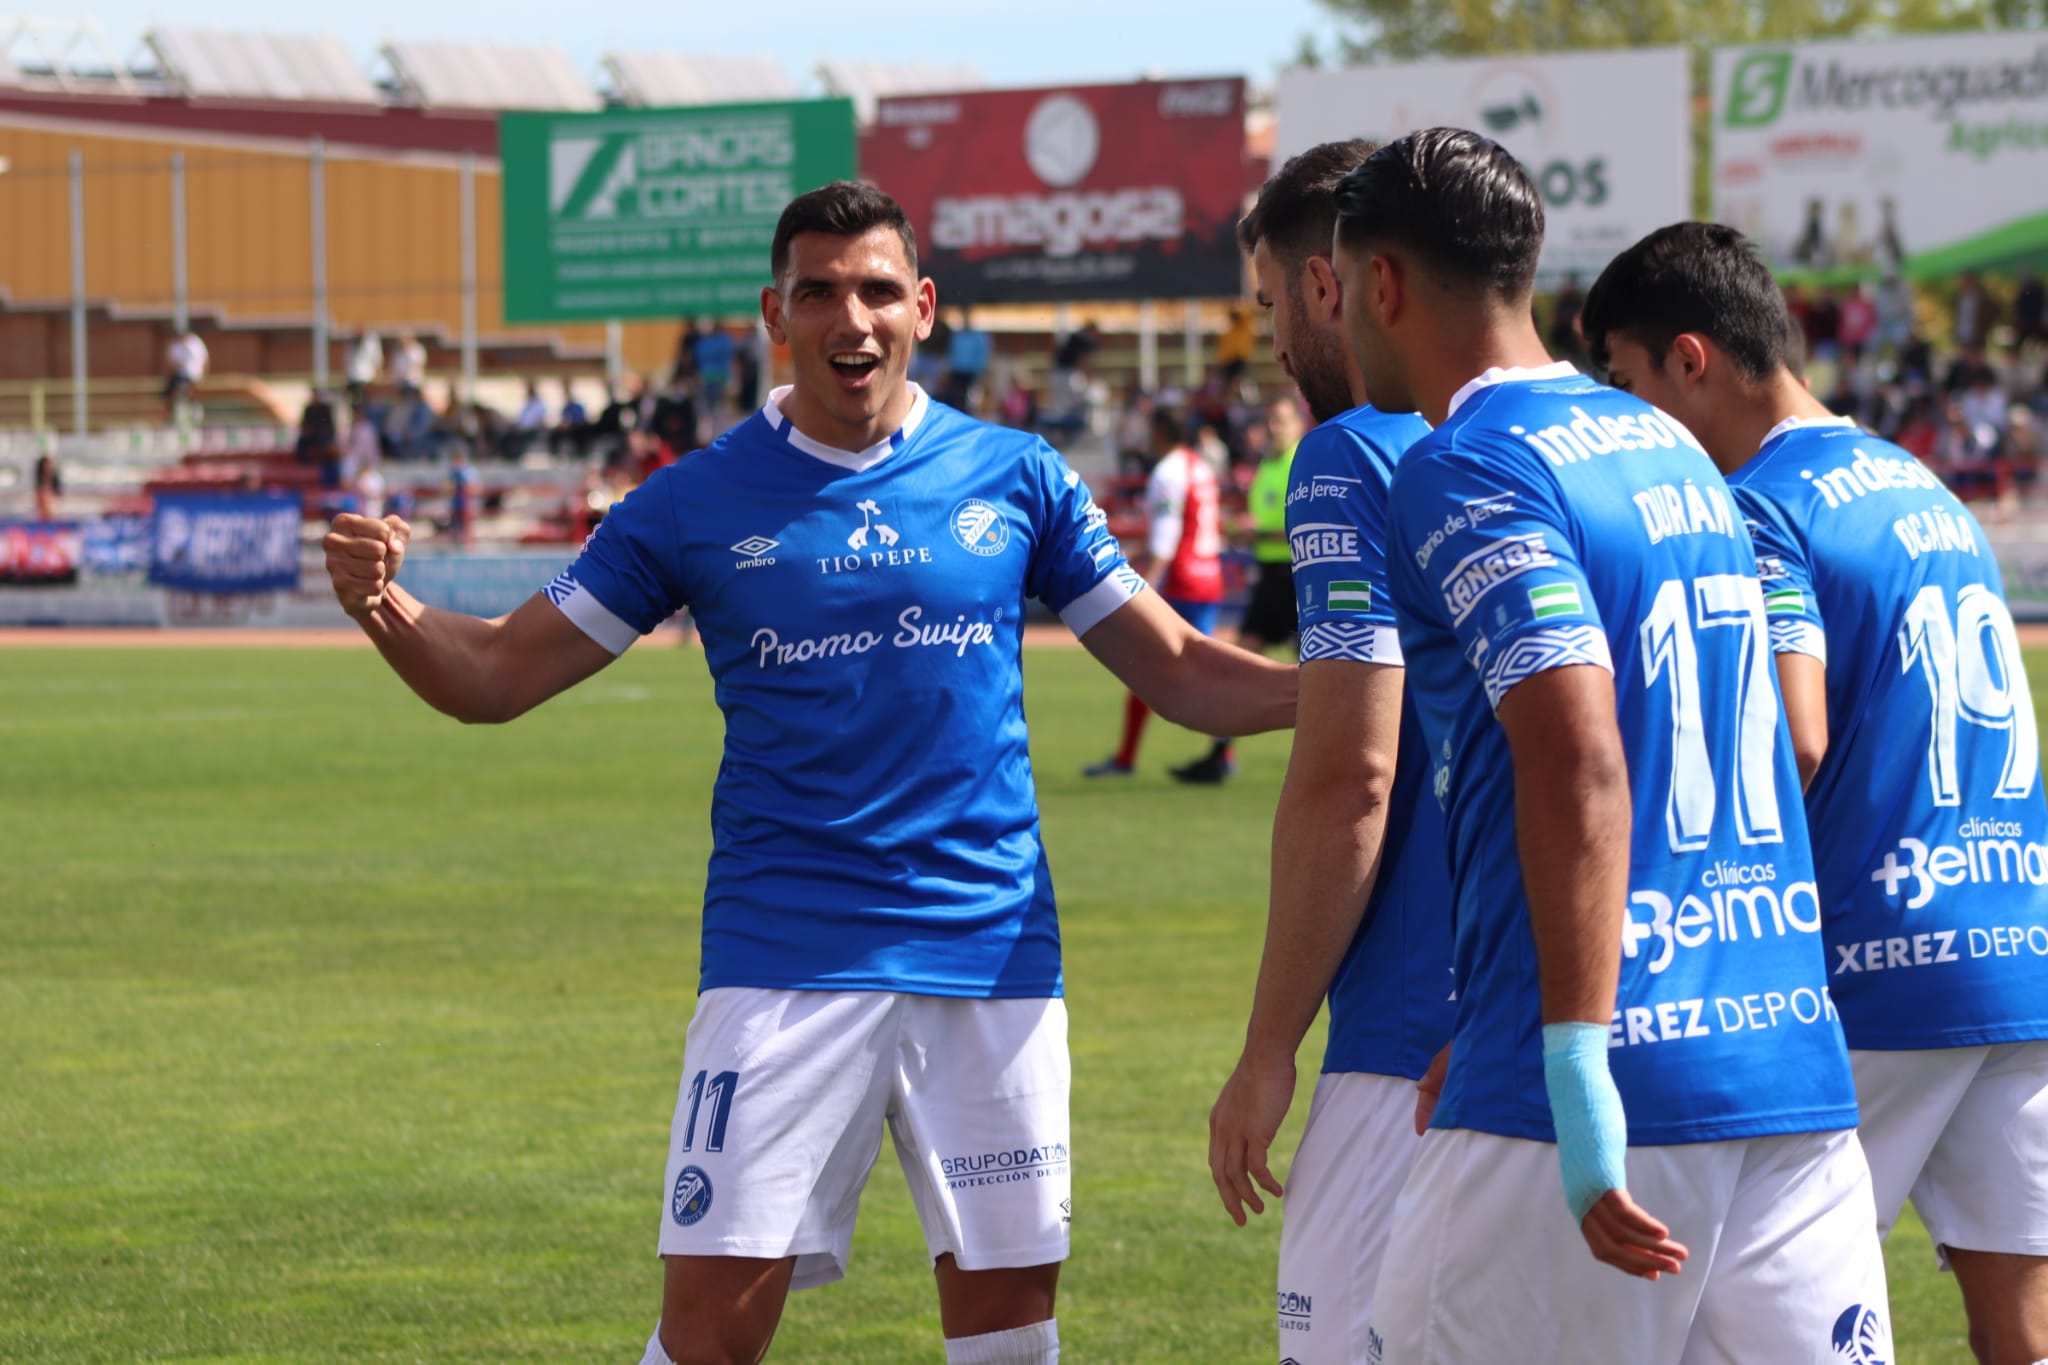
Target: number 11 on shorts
<point>718,1089</point>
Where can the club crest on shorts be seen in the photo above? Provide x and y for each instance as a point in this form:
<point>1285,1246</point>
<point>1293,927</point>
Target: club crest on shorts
<point>692,1197</point>
<point>1861,1337</point>
<point>980,527</point>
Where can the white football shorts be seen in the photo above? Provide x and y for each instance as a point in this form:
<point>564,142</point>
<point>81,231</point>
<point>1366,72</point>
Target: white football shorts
<point>1485,1264</point>
<point>784,1097</point>
<point>1354,1157</point>
<point>1963,1132</point>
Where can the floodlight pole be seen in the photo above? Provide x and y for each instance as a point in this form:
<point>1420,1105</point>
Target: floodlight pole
<point>316,156</point>
<point>468,182</point>
<point>1148,347</point>
<point>181,313</point>
<point>78,398</point>
<point>1191,345</point>
<point>614,354</point>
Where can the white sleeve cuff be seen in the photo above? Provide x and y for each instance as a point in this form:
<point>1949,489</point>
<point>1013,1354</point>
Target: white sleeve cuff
<point>1092,607</point>
<point>589,615</point>
<point>1359,642</point>
<point>1540,651</point>
<point>1799,637</point>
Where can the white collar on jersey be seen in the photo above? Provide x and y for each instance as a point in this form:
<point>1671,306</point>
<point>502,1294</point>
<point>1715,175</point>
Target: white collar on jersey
<point>1794,423</point>
<point>1557,369</point>
<point>856,460</point>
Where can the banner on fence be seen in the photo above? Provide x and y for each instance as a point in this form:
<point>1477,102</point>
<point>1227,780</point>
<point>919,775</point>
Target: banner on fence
<point>225,542</point>
<point>38,553</point>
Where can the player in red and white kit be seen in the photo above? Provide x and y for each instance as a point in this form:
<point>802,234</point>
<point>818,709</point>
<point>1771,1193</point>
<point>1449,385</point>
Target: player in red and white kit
<point>1183,560</point>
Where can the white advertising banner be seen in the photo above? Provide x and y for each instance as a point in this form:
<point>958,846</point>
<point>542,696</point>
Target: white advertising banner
<point>1928,155</point>
<point>1603,134</point>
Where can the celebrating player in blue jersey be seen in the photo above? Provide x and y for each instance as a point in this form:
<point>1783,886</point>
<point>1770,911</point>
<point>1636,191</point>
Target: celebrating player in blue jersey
<point>1642,1000</point>
<point>1908,705</point>
<point>1360,902</point>
<point>879,938</point>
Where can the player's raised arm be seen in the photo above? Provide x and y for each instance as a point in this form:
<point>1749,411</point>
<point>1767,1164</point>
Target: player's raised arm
<point>1572,822</point>
<point>1190,678</point>
<point>475,670</point>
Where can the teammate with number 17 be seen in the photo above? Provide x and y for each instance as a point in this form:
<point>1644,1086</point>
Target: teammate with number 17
<point>880,946</point>
<point>1642,999</point>
<point>1360,905</point>
<point>1909,708</point>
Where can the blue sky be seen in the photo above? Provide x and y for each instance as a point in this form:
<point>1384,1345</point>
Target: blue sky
<point>1035,42</point>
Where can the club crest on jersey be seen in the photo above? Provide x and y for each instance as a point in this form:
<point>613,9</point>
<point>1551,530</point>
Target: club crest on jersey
<point>980,528</point>
<point>1861,1337</point>
<point>692,1197</point>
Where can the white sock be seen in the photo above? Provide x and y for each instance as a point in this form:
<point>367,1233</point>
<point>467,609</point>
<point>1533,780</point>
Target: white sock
<point>1038,1344</point>
<point>655,1355</point>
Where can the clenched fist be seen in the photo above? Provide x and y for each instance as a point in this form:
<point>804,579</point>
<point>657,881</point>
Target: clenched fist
<point>363,556</point>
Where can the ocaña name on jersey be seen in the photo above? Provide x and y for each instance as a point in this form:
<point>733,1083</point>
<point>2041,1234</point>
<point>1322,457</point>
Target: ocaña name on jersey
<point>912,633</point>
<point>1933,530</point>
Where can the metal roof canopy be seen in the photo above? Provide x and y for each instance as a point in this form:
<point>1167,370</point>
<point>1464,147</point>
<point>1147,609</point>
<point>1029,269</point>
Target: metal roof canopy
<point>489,76</point>
<point>867,82</point>
<point>67,53</point>
<point>208,64</point>
<point>656,79</point>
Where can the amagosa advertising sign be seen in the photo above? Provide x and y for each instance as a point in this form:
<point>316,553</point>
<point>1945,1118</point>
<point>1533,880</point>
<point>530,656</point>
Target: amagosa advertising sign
<point>1076,193</point>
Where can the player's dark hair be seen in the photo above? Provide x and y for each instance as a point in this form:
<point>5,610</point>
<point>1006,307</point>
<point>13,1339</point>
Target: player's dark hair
<point>1456,200</point>
<point>844,208</point>
<point>1692,277</point>
<point>1296,211</point>
<point>1167,426</point>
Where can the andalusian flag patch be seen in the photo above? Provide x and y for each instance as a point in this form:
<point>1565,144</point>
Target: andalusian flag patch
<point>1785,602</point>
<point>1556,599</point>
<point>1351,595</point>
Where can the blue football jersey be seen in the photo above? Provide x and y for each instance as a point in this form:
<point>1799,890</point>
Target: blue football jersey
<point>1390,1004</point>
<point>1550,522</point>
<point>1930,833</point>
<point>874,824</point>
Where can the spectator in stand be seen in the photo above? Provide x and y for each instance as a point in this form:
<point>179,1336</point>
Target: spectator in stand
<point>684,368</point>
<point>1564,339</point>
<point>2022,451</point>
<point>360,449</point>
<point>1824,326</point>
<point>1894,313</point>
<point>319,440</point>
<point>530,425</point>
<point>408,366</point>
<point>2030,309</point>
<point>967,360</point>
<point>748,360</point>
<point>573,428</point>
<point>1916,360</point>
<point>714,376</point>
<point>462,499</point>
<point>49,487</point>
<point>928,363</point>
<point>1984,409</point>
<point>365,363</point>
<point>1858,325</point>
<point>1963,454</point>
<point>1235,346</point>
<point>1811,249</point>
<point>675,421</point>
<point>1067,398</point>
<point>1976,314</point>
<point>1798,305</point>
<point>185,365</point>
<point>1920,430</point>
<point>1134,434</point>
<point>1020,405</point>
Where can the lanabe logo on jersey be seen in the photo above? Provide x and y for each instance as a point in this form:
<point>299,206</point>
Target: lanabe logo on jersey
<point>875,545</point>
<point>1008,1167</point>
<point>1486,568</point>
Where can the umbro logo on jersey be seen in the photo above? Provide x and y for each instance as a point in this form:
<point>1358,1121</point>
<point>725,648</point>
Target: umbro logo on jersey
<point>758,551</point>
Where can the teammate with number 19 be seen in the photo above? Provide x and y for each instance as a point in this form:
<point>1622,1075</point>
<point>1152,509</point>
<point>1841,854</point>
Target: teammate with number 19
<point>1642,1000</point>
<point>1360,906</point>
<point>880,945</point>
<point>1908,704</point>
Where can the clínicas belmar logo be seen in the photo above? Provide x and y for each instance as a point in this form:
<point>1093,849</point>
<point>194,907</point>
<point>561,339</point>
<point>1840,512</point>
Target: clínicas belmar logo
<point>1862,1337</point>
<point>980,527</point>
<point>692,1197</point>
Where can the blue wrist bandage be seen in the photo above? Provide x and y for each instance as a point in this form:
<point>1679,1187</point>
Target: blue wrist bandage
<point>1592,1132</point>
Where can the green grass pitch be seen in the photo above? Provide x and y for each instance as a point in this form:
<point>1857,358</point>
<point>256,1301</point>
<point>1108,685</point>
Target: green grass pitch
<point>333,1031</point>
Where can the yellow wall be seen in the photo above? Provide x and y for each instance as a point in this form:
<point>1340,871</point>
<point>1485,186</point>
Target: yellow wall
<point>394,250</point>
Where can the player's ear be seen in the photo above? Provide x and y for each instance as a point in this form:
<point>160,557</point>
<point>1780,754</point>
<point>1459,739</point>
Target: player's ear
<point>1690,358</point>
<point>927,307</point>
<point>1322,295</point>
<point>1386,288</point>
<point>771,314</point>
